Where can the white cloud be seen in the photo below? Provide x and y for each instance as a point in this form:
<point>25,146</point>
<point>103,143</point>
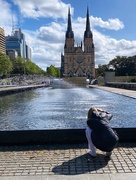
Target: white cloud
<point>113,24</point>
<point>52,33</point>
<point>7,17</point>
<point>108,48</point>
<point>44,52</point>
<point>43,8</point>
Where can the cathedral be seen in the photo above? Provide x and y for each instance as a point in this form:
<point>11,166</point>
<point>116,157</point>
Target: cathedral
<point>78,61</point>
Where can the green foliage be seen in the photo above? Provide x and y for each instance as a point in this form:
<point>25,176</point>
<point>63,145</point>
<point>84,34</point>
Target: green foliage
<point>32,68</point>
<point>18,65</point>
<point>5,65</point>
<point>52,71</point>
<point>21,66</point>
<point>133,80</point>
<point>101,69</point>
<point>124,66</point>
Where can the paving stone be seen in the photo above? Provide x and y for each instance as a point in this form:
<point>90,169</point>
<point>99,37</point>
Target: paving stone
<point>65,159</point>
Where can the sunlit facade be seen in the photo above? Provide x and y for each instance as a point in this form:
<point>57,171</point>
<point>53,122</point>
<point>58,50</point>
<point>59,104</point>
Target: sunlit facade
<point>28,52</point>
<point>78,61</point>
<point>2,41</point>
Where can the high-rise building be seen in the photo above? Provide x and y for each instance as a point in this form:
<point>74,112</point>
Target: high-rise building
<point>17,43</point>
<point>28,52</point>
<point>2,41</point>
<point>78,61</point>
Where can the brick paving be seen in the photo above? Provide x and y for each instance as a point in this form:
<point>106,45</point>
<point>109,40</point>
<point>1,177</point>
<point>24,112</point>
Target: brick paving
<point>70,159</point>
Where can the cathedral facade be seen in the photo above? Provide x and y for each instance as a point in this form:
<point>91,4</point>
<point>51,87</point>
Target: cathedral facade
<point>78,61</point>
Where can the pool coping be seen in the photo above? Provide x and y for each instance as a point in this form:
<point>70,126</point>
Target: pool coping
<point>57,136</point>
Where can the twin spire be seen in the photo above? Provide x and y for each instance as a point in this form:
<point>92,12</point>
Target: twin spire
<point>69,21</point>
<point>88,33</point>
<point>70,34</point>
<point>87,21</point>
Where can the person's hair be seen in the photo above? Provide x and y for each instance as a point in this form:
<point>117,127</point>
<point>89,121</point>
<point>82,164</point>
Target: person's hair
<point>90,112</point>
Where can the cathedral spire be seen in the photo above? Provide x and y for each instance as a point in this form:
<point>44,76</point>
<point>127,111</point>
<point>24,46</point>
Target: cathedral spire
<point>69,28</point>
<point>69,33</point>
<point>87,20</point>
<point>87,33</point>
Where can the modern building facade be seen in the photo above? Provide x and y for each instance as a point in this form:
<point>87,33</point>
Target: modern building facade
<point>28,52</point>
<point>2,41</point>
<point>17,43</point>
<point>78,61</point>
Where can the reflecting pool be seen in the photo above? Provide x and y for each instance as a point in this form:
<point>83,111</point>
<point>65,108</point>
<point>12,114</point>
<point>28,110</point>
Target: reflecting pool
<point>62,106</point>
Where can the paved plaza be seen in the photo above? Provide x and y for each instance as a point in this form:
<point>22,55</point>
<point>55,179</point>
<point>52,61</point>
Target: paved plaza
<point>65,161</point>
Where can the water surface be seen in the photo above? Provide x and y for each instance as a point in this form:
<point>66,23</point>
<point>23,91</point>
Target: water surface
<point>62,108</point>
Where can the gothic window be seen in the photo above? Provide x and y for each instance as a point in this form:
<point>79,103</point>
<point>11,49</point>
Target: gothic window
<point>88,48</point>
<point>88,59</point>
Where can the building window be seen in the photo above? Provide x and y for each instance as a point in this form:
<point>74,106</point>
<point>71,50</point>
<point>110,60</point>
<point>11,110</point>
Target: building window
<point>88,59</point>
<point>89,48</point>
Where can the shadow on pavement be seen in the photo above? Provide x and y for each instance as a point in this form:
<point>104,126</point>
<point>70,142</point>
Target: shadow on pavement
<point>81,164</point>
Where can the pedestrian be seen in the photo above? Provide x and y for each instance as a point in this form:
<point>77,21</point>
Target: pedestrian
<point>99,133</point>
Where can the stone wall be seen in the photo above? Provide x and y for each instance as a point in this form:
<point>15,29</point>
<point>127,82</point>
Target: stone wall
<point>78,81</point>
<point>118,79</point>
<point>130,86</point>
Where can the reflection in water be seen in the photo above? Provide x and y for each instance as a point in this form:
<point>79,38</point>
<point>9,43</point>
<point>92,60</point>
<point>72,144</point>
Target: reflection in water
<point>62,106</point>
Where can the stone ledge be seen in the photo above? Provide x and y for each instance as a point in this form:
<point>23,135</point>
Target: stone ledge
<point>61,136</point>
<point>16,89</point>
<point>130,86</point>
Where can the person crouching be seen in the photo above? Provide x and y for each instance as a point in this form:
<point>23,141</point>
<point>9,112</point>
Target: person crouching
<point>99,133</point>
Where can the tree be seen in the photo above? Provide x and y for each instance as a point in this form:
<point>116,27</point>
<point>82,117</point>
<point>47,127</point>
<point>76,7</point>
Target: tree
<point>32,68</point>
<point>22,66</point>
<point>101,69</point>
<point>124,65</point>
<point>52,71</point>
<point>5,65</point>
<point>18,65</point>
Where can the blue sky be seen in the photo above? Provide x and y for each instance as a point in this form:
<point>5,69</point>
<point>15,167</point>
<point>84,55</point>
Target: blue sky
<point>44,23</point>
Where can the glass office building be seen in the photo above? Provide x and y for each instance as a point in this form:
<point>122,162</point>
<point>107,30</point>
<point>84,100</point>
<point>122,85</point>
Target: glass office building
<point>28,52</point>
<point>17,42</point>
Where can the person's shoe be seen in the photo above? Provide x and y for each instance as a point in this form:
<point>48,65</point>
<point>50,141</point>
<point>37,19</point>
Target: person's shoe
<point>92,154</point>
<point>108,154</point>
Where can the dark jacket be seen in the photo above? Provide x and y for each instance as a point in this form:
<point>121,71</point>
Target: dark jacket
<point>103,136</point>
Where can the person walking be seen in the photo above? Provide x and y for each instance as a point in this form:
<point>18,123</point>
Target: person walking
<point>99,133</point>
